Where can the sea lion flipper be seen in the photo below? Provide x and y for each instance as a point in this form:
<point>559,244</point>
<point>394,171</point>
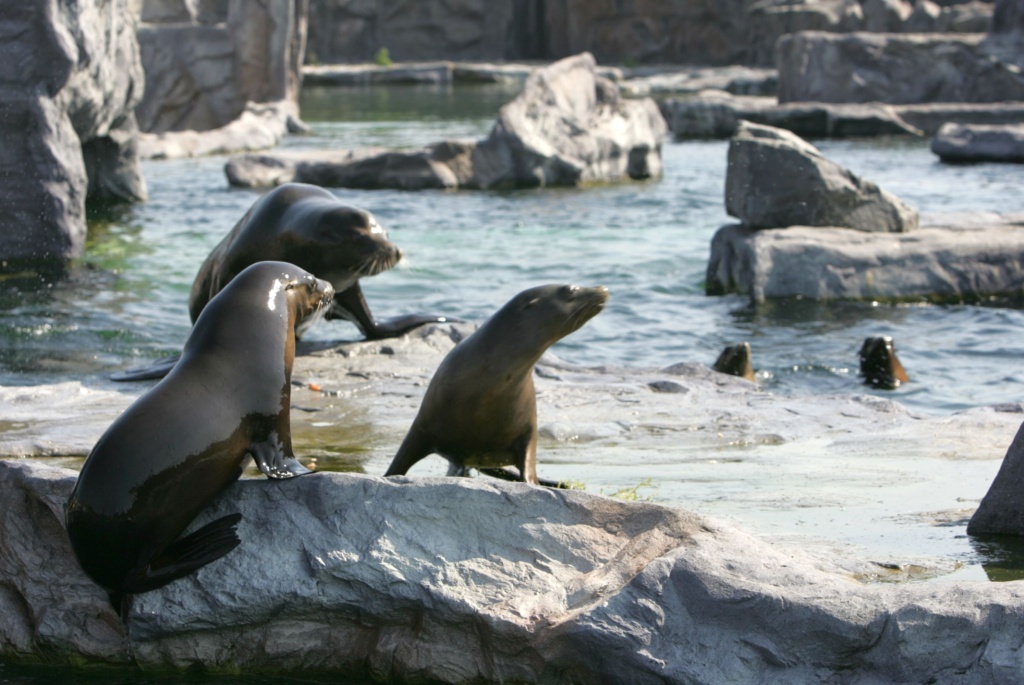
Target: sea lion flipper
<point>273,462</point>
<point>506,474</point>
<point>158,369</point>
<point>400,325</point>
<point>195,550</point>
<point>414,447</point>
<point>350,305</point>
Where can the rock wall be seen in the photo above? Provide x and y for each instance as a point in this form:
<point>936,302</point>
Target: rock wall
<point>204,63</point>
<point>67,121</point>
<point>896,69</point>
<point>711,32</point>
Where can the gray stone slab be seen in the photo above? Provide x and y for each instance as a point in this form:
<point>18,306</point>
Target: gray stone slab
<point>942,264</point>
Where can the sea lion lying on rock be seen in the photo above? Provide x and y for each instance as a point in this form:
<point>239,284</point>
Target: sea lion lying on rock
<point>480,409</point>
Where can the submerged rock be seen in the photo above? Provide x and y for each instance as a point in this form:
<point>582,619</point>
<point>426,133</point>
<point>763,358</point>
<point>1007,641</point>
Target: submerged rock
<point>569,126</point>
<point>775,179</point>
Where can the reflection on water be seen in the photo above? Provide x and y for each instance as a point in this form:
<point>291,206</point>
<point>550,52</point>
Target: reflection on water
<point>1002,556</point>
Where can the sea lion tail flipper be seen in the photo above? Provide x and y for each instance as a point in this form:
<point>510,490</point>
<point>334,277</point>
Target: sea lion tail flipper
<point>505,474</point>
<point>158,369</point>
<point>273,463</point>
<point>192,552</point>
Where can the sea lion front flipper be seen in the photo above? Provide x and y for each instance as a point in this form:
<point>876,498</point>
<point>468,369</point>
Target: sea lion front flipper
<point>158,369</point>
<point>414,447</point>
<point>349,304</point>
<point>188,554</point>
<point>400,325</point>
<point>273,462</point>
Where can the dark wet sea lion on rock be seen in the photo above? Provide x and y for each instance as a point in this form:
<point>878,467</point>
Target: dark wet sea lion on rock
<point>735,360</point>
<point>310,227</point>
<point>183,442</point>
<point>879,366</point>
<point>480,410</point>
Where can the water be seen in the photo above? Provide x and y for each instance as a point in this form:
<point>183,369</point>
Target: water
<point>468,252</point>
<point>125,302</point>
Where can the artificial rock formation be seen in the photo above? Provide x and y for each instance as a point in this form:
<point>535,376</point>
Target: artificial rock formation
<point>893,68</point>
<point>569,126</point>
<point>775,179</point>
<point>389,579</point>
<point>201,74</point>
<point>967,263</point>
<point>67,118</point>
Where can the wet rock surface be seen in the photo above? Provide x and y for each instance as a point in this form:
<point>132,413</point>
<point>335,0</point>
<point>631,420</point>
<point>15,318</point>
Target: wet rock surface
<point>352,573</point>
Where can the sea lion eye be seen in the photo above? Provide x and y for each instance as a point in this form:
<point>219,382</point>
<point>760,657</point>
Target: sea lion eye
<point>531,303</point>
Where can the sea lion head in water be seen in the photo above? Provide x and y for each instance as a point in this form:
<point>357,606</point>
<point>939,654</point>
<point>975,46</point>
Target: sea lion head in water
<point>879,366</point>
<point>735,360</point>
<point>480,409</point>
<point>183,442</point>
<point>307,226</point>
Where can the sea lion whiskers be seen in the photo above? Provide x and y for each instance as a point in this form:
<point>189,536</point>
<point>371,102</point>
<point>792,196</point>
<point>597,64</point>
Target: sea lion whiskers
<point>379,261</point>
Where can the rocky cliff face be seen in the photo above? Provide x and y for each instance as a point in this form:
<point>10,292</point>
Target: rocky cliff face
<point>205,62</point>
<point>67,95</point>
<point>711,32</point>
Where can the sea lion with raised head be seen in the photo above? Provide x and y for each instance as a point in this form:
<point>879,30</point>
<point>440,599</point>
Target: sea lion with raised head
<point>309,227</point>
<point>480,409</point>
<point>183,442</point>
<point>879,366</point>
<point>735,360</point>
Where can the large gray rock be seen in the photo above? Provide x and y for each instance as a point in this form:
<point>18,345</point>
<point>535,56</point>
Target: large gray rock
<point>1001,511</point>
<point>340,574</point>
<point>775,179</point>
<point>568,126</point>
<point>771,19</point>
<point>73,77</point>
<point>893,68</point>
<point>202,76</point>
<point>931,263</point>
<point>979,143</point>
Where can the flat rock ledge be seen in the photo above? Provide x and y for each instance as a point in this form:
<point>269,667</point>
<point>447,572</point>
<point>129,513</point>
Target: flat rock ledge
<point>716,114</point>
<point>569,126</point>
<point>973,260</point>
<point>390,580</point>
<point>261,125</point>
<point>979,143</point>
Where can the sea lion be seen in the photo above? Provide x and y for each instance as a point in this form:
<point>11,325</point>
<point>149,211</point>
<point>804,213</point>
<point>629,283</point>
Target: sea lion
<point>735,361</point>
<point>310,227</point>
<point>480,409</point>
<point>185,441</point>
<point>879,366</point>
